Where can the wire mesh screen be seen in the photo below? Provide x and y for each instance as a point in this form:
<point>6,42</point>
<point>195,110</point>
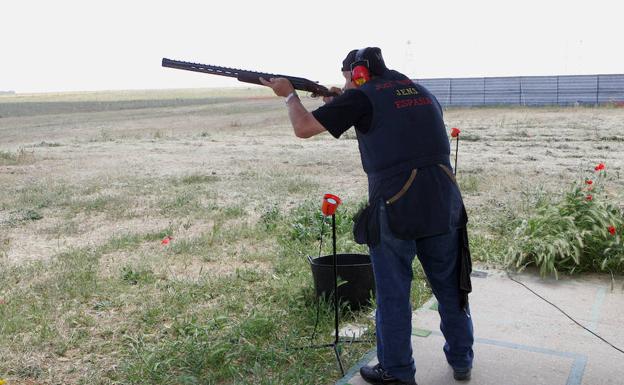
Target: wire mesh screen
<point>528,90</point>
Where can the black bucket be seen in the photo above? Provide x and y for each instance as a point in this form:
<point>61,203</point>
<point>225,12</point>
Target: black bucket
<point>355,272</point>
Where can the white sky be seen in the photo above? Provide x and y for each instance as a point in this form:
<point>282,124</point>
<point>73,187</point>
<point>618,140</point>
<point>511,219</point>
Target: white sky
<point>67,45</point>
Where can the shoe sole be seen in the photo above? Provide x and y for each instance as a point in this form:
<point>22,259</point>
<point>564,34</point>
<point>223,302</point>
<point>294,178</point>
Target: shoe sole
<point>397,382</point>
<point>461,377</point>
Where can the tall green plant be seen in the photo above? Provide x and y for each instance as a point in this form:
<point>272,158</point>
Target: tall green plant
<point>582,231</point>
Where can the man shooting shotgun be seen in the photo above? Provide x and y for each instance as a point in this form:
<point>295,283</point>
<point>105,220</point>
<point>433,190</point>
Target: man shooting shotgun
<point>415,206</point>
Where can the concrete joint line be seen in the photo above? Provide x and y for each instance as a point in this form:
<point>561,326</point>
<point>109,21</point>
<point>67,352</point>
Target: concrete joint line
<point>597,308</point>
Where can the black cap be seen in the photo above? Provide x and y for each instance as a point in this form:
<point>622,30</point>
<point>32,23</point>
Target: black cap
<point>376,64</point>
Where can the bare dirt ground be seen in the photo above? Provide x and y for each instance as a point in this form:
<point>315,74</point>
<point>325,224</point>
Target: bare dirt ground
<point>247,143</point>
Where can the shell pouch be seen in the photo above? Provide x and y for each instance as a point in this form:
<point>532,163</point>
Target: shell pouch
<point>366,225</point>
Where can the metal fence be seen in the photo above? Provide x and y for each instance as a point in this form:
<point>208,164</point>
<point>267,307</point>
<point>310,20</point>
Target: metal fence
<point>528,90</point>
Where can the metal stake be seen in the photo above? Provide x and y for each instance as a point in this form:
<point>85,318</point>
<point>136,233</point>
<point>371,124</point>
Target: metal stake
<point>336,320</point>
<point>456,149</point>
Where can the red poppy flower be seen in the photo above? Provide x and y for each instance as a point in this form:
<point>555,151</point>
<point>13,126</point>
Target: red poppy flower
<point>589,197</point>
<point>612,230</point>
<point>166,240</point>
<point>455,132</point>
<point>589,181</point>
<point>600,166</point>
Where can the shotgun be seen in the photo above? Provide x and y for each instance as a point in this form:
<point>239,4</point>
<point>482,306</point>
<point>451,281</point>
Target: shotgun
<point>301,84</point>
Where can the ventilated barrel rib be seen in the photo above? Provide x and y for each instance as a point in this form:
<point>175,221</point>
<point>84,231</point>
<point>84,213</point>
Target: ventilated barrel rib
<point>298,83</point>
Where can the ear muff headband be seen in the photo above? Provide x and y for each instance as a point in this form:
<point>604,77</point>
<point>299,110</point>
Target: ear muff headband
<point>359,55</point>
<point>360,73</point>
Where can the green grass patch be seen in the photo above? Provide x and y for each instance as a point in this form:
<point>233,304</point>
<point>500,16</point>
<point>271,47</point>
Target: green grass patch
<point>133,276</point>
<point>192,196</point>
<point>19,157</point>
<point>198,179</point>
<point>242,326</point>
<point>8,158</point>
<point>469,183</point>
<point>612,138</point>
<point>470,137</point>
<point>190,201</point>
<point>38,196</point>
<point>22,215</point>
<point>5,244</point>
<point>300,186</point>
<point>48,144</point>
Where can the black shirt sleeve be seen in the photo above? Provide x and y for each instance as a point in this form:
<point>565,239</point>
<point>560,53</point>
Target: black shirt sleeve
<point>352,108</point>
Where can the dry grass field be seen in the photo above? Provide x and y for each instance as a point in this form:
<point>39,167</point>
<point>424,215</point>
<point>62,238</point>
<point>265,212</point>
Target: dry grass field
<point>91,183</point>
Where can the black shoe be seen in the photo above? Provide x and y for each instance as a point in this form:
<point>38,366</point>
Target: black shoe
<point>377,375</point>
<point>461,374</point>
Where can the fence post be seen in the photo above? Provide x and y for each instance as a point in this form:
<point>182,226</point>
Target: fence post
<point>450,91</point>
<point>484,90</point>
<point>597,89</point>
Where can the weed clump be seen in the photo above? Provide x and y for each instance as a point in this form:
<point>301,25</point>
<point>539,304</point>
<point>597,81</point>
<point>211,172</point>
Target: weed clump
<point>20,157</point>
<point>134,276</point>
<point>581,231</point>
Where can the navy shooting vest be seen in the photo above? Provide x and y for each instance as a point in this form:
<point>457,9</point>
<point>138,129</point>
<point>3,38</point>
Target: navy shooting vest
<point>405,154</point>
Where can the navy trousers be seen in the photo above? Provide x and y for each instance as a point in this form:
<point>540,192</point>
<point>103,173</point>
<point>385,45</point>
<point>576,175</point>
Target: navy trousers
<point>392,265</point>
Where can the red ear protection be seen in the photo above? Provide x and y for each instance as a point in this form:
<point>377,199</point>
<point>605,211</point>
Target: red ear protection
<point>359,69</point>
<point>360,75</point>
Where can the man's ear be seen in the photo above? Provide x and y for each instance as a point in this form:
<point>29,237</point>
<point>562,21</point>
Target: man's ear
<point>348,82</point>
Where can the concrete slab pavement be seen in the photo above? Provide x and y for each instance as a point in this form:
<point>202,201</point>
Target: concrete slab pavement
<point>522,340</point>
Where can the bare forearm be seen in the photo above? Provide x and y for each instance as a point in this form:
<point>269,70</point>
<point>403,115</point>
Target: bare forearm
<point>304,123</point>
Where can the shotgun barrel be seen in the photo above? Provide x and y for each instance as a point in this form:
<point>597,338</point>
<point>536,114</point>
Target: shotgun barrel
<point>298,83</point>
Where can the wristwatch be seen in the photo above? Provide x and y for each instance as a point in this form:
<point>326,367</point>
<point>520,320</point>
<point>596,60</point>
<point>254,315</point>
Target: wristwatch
<point>290,96</point>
